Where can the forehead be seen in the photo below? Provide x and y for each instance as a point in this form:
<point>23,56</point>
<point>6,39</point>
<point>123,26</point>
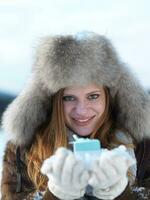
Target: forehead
<point>83,89</point>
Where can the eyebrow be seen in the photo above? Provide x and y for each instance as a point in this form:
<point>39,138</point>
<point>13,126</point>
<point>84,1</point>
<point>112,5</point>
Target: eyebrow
<point>93,92</point>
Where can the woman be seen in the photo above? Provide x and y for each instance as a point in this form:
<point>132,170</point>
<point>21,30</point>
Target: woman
<point>79,87</point>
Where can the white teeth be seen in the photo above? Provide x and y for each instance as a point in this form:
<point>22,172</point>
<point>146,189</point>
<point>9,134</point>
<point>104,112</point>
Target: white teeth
<point>82,120</point>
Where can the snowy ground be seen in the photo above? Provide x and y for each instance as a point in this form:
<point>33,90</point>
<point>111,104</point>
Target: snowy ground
<point>2,145</point>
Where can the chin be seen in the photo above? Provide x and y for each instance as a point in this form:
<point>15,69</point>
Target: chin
<point>83,134</point>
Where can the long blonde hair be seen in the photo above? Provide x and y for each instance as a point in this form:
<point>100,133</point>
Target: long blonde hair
<point>54,135</point>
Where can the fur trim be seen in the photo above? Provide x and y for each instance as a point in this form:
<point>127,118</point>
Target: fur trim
<point>69,60</point>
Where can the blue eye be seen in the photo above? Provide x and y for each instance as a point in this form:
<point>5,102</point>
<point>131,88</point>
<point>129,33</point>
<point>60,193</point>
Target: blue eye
<point>93,96</point>
<point>68,98</point>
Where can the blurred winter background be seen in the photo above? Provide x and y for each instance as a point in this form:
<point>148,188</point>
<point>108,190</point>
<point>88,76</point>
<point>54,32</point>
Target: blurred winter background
<point>24,22</point>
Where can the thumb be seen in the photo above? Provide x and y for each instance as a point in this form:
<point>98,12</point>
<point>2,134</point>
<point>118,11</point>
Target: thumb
<point>84,178</point>
<point>131,161</point>
<point>47,165</point>
<point>93,180</point>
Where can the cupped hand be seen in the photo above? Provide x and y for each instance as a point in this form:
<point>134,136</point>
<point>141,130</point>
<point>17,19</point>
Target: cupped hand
<point>67,175</point>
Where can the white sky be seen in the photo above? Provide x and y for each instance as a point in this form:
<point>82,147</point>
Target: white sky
<point>23,22</point>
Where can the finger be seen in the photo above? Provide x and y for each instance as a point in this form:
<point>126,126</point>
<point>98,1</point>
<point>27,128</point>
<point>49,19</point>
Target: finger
<point>77,172</point>
<point>122,152</point>
<point>96,168</point>
<point>105,172</point>
<point>94,181</point>
<point>84,178</point>
<point>80,175</point>
<point>62,150</point>
<point>67,170</point>
<point>47,166</point>
<point>112,192</point>
<point>108,169</point>
<point>120,163</point>
<point>60,157</point>
<point>118,188</point>
<point>131,161</point>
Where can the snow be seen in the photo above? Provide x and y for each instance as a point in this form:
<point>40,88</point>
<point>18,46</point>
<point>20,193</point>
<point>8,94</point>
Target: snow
<point>142,193</point>
<point>84,35</point>
<point>2,145</point>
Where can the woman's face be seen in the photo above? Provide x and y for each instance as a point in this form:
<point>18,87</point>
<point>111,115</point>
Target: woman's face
<point>83,107</point>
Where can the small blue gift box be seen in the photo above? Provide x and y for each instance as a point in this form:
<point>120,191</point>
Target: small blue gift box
<point>86,145</point>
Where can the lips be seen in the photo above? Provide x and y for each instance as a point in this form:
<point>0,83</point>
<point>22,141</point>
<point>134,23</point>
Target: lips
<point>82,122</point>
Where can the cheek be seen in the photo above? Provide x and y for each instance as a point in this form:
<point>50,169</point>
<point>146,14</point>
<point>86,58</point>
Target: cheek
<point>100,108</point>
<point>67,111</point>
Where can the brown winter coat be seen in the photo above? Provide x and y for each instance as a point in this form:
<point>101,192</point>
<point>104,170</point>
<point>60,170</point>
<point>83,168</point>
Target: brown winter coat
<point>16,184</point>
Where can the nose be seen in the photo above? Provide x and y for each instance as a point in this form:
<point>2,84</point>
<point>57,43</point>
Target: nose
<point>81,108</point>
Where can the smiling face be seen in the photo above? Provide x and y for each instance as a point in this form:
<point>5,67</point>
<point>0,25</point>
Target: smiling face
<point>83,107</point>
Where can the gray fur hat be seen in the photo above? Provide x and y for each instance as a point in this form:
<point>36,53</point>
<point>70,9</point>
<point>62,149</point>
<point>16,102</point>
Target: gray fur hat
<point>76,60</point>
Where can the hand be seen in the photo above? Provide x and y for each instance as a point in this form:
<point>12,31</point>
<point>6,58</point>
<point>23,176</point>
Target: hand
<point>109,172</point>
<point>68,177</point>
<point>112,192</point>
